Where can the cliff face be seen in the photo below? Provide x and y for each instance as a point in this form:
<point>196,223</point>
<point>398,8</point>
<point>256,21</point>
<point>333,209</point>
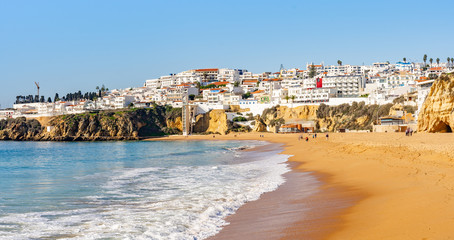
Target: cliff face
<point>214,121</point>
<point>437,111</point>
<point>289,114</point>
<point>106,125</point>
<point>357,116</point>
<point>113,125</point>
<point>19,129</point>
<point>175,123</point>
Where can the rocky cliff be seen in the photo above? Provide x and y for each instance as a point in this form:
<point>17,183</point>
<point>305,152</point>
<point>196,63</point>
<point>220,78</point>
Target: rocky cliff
<point>128,124</point>
<point>20,129</point>
<point>214,121</point>
<point>308,112</point>
<point>356,116</point>
<point>437,111</point>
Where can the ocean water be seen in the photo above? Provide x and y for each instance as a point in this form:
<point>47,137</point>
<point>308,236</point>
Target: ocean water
<point>129,190</point>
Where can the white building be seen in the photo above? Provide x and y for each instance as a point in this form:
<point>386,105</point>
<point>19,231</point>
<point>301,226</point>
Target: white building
<point>400,79</point>
<point>346,86</point>
<point>123,101</point>
<point>316,95</point>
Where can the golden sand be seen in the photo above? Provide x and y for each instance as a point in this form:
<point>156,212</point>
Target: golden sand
<point>405,184</point>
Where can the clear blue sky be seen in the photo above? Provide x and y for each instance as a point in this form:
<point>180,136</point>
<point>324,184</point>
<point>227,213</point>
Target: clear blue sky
<point>68,46</point>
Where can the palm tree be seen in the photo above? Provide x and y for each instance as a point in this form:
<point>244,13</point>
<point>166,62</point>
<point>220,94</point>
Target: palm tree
<point>452,61</point>
<point>438,61</point>
<point>448,60</point>
<point>405,60</point>
<point>431,61</point>
<point>339,62</point>
<point>287,98</point>
<point>425,59</point>
<point>293,99</point>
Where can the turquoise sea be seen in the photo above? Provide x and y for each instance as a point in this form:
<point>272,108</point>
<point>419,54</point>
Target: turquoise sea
<point>129,190</point>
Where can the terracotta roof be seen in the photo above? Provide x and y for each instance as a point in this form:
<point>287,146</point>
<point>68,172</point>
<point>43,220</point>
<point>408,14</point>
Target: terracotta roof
<point>436,69</point>
<point>220,83</point>
<point>207,70</point>
<point>272,79</point>
<point>290,126</point>
<point>258,91</point>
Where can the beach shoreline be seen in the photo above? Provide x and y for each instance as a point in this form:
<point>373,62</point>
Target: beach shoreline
<point>400,187</point>
<point>290,211</point>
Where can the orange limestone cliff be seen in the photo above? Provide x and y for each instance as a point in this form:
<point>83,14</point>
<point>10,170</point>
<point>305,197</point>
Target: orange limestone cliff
<point>437,112</point>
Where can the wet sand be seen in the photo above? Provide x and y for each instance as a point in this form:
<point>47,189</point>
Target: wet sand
<point>372,186</point>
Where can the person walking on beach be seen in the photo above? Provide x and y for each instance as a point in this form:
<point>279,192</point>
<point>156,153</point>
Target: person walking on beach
<point>315,134</point>
<point>327,136</point>
<point>307,139</point>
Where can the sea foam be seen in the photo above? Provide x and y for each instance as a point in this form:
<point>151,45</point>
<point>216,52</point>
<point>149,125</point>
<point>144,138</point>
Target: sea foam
<point>178,202</point>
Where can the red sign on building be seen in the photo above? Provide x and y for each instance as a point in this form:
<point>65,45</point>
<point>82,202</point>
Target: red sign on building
<point>319,83</point>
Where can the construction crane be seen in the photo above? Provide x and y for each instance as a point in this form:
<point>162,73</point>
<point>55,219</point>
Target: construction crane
<point>37,86</point>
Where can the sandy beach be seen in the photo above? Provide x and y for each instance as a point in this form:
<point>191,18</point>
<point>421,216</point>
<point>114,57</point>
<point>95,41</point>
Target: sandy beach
<point>373,186</point>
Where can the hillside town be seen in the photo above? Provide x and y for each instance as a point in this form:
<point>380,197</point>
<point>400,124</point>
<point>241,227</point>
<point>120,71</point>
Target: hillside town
<point>220,88</point>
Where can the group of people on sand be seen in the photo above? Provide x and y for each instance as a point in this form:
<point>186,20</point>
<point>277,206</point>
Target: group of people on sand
<point>409,132</point>
<point>301,137</point>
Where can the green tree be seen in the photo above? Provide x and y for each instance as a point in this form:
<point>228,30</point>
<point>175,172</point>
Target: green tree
<point>49,100</point>
<point>431,60</point>
<point>56,98</point>
<point>452,61</point>
<point>293,98</point>
<point>236,84</point>
<point>246,95</point>
<point>287,98</point>
<point>312,71</point>
<point>405,60</point>
<point>339,62</point>
<point>448,60</point>
<point>425,59</point>
<point>438,61</point>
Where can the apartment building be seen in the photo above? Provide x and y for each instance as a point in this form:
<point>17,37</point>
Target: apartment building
<point>304,95</point>
<point>207,75</point>
<point>346,86</point>
<point>400,79</point>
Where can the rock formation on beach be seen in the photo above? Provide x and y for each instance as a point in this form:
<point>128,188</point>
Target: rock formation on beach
<point>437,111</point>
<point>130,124</point>
<point>356,116</point>
<point>19,129</point>
<point>125,124</point>
<point>214,121</point>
